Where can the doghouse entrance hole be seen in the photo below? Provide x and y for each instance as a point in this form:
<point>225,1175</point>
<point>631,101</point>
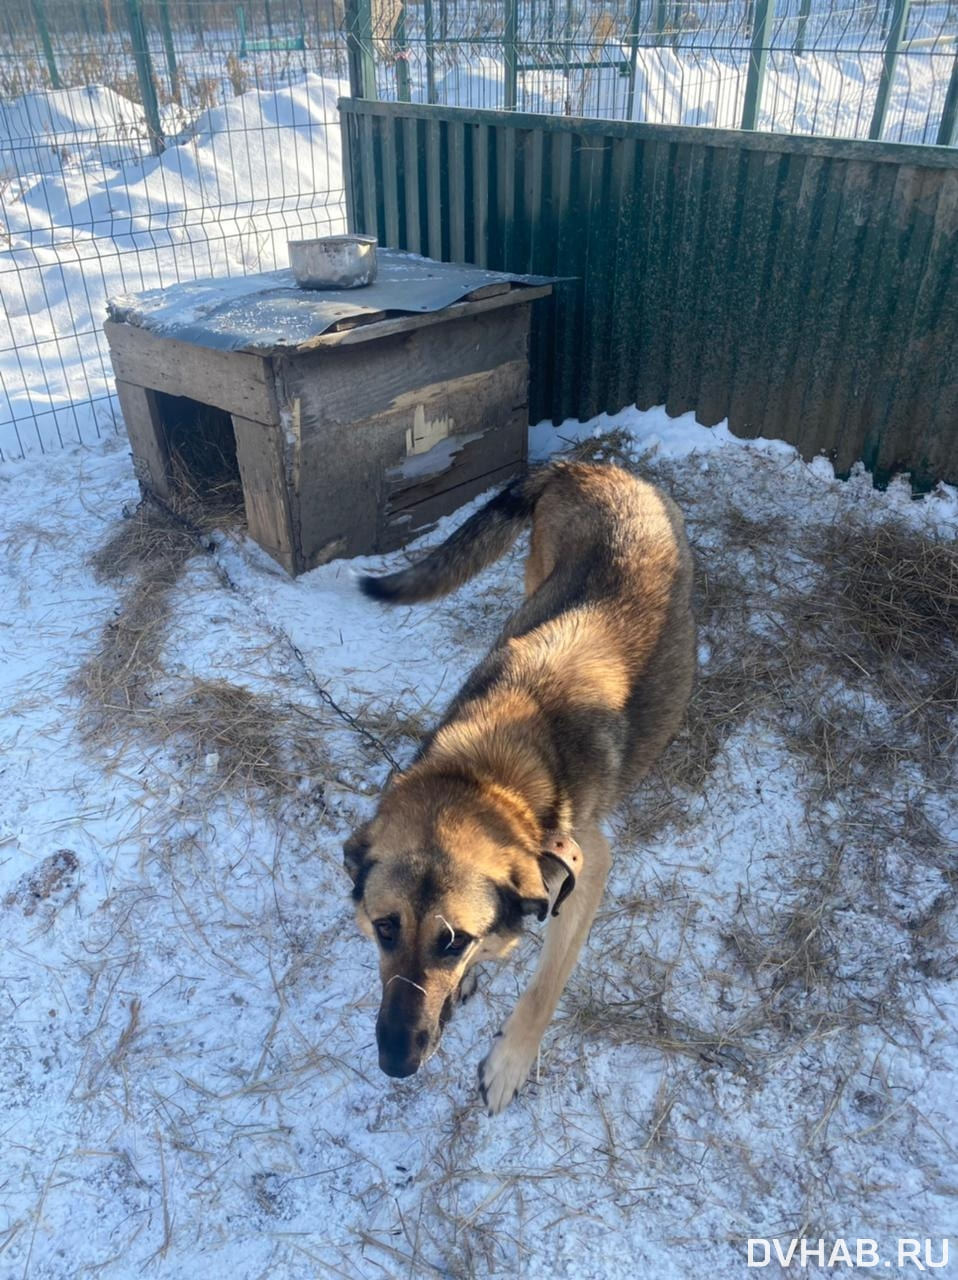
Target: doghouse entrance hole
<point>204,472</point>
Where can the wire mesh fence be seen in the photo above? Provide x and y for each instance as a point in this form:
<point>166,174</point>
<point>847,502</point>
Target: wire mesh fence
<point>803,66</point>
<point>144,142</point>
<point>142,145</point>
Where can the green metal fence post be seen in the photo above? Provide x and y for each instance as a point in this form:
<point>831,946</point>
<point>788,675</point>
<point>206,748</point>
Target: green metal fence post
<point>40,18</point>
<point>510,54</point>
<point>757,61</point>
<point>678,23</point>
<point>402,55</point>
<point>798,48</point>
<point>167,30</point>
<point>661,20</point>
<point>633,59</point>
<point>359,47</point>
<point>430,33</point>
<point>948,132</point>
<point>896,33</point>
<point>144,74</point>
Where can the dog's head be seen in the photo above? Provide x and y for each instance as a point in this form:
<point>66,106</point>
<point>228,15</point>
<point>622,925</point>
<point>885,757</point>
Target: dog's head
<point>441,882</point>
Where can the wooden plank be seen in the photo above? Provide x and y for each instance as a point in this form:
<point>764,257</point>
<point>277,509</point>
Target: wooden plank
<point>333,397</point>
<point>498,445</point>
<point>345,386</point>
<point>362,419</point>
<point>262,467</point>
<point>354,322</point>
<point>147,436</point>
<point>489,291</point>
<point>401,527</point>
<point>236,381</point>
<point>408,324</point>
<point>338,388</point>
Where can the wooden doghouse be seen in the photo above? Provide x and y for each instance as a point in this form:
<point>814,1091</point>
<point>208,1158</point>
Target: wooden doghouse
<point>355,419</point>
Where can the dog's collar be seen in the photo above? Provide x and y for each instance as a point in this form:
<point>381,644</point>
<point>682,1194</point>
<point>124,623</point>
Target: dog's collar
<point>564,850</point>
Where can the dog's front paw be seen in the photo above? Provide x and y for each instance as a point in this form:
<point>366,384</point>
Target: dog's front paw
<point>504,1070</point>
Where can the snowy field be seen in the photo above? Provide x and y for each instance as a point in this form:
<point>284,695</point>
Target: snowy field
<point>759,1040</point>
<point>88,212</point>
<point>245,178</point>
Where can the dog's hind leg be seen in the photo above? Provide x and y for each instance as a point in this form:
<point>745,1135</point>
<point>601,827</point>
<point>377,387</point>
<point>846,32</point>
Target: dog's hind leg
<point>504,1069</point>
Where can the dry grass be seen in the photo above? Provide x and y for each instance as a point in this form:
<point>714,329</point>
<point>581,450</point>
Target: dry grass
<point>725,697</point>
<point>245,740</point>
<point>146,555</point>
<point>644,1022</point>
<point>797,951</point>
<point>616,446</point>
<point>215,502</point>
<point>897,590</point>
<point>240,740</point>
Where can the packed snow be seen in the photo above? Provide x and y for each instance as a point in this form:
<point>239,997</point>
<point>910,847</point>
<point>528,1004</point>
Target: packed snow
<point>188,1076</point>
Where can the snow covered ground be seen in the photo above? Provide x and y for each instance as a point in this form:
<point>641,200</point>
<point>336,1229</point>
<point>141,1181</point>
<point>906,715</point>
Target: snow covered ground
<point>248,176</point>
<point>759,1041</point>
<point>830,94</point>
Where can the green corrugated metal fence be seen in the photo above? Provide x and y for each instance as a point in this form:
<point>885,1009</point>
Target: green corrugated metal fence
<point>804,288</point>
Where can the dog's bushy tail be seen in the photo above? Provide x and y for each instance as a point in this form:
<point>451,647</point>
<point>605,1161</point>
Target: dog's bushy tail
<point>483,538</point>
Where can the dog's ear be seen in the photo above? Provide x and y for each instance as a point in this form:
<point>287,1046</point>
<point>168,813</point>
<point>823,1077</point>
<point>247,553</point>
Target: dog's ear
<point>356,854</point>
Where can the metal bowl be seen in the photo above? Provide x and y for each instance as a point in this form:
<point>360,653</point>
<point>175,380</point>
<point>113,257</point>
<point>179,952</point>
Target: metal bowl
<point>333,262</point>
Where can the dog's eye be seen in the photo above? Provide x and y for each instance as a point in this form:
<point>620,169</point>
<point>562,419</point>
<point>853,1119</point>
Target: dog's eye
<point>387,931</point>
<point>455,945</point>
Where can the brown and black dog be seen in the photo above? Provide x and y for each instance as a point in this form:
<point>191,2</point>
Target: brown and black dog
<point>498,816</point>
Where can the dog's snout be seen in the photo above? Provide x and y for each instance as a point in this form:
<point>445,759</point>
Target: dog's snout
<point>401,1047</point>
